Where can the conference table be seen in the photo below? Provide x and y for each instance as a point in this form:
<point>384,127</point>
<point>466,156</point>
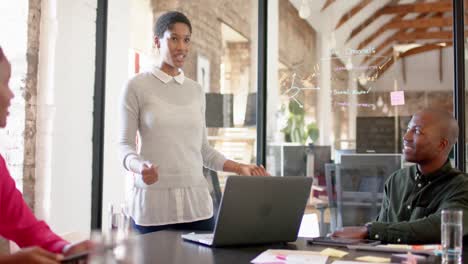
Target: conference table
<point>168,247</point>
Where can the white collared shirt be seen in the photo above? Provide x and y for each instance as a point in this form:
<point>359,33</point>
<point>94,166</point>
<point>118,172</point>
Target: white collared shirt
<point>169,114</point>
<point>165,78</point>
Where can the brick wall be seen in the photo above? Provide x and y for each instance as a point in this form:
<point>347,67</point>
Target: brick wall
<point>296,43</point>
<point>296,39</point>
<point>30,94</point>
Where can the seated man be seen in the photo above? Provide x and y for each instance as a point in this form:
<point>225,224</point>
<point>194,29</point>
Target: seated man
<point>17,222</point>
<point>414,197</point>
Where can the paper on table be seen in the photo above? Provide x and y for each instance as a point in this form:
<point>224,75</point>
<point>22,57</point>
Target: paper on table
<point>374,259</point>
<point>333,253</point>
<point>272,256</point>
<point>348,262</point>
<point>413,247</point>
<point>309,226</point>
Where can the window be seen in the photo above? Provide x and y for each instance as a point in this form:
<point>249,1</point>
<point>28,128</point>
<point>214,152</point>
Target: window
<point>345,77</point>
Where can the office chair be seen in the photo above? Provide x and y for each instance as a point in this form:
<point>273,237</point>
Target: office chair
<point>354,194</point>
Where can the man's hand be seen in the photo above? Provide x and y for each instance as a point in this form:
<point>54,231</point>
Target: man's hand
<point>149,173</point>
<point>35,255</point>
<point>252,170</point>
<point>79,247</point>
<point>358,232</point>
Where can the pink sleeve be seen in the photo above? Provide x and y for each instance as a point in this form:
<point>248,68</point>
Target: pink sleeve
<point>18,223</point>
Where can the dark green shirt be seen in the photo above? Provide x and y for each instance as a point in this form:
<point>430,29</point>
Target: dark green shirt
<point>413,202</point>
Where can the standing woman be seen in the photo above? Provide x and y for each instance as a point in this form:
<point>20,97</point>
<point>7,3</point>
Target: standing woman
<point>168,111</point>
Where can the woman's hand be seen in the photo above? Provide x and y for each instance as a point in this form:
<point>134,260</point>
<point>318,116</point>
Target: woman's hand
<point>34,255</point>
<point>252,170</point>
<point>149,173</point>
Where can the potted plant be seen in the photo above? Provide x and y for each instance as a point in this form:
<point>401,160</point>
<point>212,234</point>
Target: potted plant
<point>296,130</point>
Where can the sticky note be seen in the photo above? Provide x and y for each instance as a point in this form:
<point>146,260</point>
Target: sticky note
<point>333,253</point>
<point>374,259</point>
<point>397,98</point>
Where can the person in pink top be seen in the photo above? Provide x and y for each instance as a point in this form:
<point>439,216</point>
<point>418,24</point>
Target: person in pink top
<point>17,222</point>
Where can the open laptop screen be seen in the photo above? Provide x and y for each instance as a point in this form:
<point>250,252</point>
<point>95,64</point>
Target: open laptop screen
<point>258,210</point>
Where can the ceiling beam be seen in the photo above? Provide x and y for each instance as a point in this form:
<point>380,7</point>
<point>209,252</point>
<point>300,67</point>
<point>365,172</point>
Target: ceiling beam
<point>348,15</point>
<point>327,4</point>
<point>381,46</point>
<point>369,20</point>
<point>382,29</point>
<point>425,48</point>
<point>377,33</point>
<point>420,23</point>
<point>394,37</point>
<point>382,68</point>
<point>442,6</point>
<point>373,36</point>
<point>412,36</point>
<point>380,59</point>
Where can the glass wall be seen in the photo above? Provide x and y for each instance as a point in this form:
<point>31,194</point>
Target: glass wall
<point>222,58</point>
<point>344,78</point>
<point>466,83</point>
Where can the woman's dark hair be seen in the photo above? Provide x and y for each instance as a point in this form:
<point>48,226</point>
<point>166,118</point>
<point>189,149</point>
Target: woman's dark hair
<point>167,20</point>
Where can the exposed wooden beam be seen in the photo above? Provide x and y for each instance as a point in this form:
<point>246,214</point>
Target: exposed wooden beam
<point>327,4</point>
<point>421,30</point>
<point>442,6</point>
<point>412,36</point>
<point>348,15</point>
<point>381,46</point>
<point>381,59</point>
<point>420,23</point>
<point>381,29</point>
<point>369,20</point>
<point>392,37</point>
<point>377,33</point>
<point>425,48</point>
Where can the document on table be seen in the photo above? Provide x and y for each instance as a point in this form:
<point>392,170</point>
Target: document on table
<point>365,259</point>
<point>331,252</point>
<point>309,226</point>
<point>273,256</point>
<point>373,259</point>
<point>348,262</point>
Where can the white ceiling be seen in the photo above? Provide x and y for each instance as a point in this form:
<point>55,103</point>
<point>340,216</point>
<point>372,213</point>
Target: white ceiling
<point>230,35</point>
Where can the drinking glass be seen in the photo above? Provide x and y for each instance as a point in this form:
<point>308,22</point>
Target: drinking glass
<point>451,235</point>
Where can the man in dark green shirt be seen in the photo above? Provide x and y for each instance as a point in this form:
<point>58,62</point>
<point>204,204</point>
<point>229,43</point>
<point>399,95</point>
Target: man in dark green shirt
<point>414,197</point>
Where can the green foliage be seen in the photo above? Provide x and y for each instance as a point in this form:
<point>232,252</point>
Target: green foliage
<point>296,130</point>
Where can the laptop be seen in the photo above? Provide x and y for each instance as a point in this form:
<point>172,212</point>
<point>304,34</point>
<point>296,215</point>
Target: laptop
<point>258,210</point>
